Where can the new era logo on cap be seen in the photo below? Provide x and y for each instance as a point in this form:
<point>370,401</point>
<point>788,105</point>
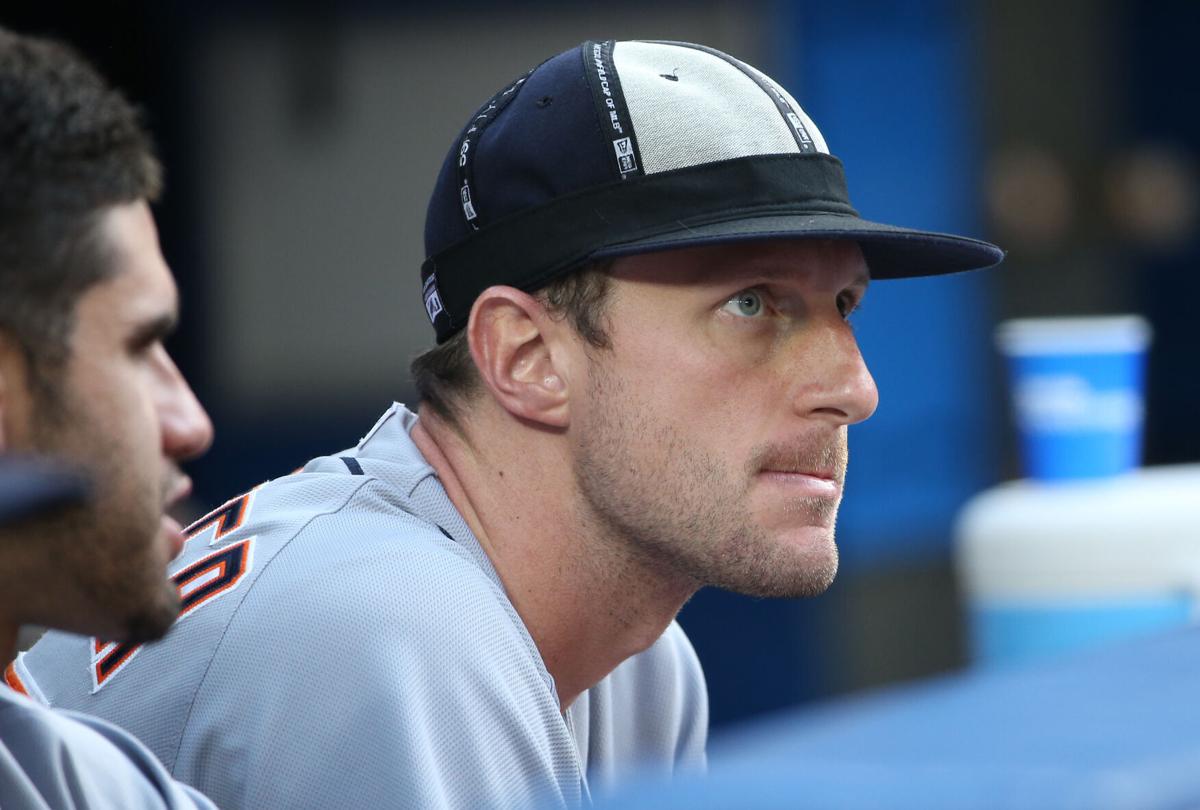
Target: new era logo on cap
<point>433,301</point>
<point>464,194</point>
<point>625,157</point>
<point>806,142</point>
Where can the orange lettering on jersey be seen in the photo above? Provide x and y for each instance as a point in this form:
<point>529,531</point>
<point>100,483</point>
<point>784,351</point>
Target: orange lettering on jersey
<point>199,583</point>
<point>212,575</point>
<point>228,517</point>
<point>14,680</point>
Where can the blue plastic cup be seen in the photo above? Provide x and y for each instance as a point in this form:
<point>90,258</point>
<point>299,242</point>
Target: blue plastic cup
<point>1078,393</point>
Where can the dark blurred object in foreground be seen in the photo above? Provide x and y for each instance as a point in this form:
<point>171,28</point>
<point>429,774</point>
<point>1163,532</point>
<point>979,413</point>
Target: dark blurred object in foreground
<point>31,487</point>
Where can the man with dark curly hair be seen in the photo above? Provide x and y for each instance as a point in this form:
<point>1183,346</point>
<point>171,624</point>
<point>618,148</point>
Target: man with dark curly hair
<point>86,300</point>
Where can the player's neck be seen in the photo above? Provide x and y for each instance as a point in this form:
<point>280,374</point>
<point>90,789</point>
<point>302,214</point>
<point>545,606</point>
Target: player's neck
<point>586,607</point>
<point>597,612</point>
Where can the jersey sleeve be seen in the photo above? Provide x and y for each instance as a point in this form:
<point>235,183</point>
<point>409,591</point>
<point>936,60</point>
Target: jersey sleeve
<point>356,678</point>
<point>63,760</point>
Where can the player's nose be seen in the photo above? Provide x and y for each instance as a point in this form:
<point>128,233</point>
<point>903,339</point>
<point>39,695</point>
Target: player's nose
<point>187,431</point>
<point>837,385</point>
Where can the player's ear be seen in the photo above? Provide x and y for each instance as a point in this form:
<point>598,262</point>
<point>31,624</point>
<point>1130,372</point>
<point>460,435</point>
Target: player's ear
<point>512,340</point>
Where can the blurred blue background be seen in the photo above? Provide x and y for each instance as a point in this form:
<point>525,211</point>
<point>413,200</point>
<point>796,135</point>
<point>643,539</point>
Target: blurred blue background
<point>302,139</point>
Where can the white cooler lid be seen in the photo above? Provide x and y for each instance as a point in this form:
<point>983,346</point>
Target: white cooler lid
<point>1136,534</point>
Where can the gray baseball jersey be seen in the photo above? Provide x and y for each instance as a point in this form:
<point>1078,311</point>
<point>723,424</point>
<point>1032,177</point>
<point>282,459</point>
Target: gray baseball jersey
<point>66,761</point>
<point>346,642</point>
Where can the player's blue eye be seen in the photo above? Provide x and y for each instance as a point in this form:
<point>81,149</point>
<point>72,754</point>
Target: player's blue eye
<point>747,304</point>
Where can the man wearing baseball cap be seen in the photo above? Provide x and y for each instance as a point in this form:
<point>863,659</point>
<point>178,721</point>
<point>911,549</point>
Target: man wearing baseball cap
<point>85,302</point>
<point>641,261</point>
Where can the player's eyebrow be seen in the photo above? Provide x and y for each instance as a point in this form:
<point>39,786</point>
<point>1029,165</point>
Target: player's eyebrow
<point>155,329</point>
<point>860,279</point>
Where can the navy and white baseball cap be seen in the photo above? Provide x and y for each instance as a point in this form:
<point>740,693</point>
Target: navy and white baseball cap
<point>616,148</point>
<point>32,487</point>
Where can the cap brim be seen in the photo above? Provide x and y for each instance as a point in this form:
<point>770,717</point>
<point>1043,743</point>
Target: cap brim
<point>32,487</point>
<point>890,251</point>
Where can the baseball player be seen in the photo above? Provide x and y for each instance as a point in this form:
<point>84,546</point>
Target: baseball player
<point>61,759</point>
<point>85,301</point>
<point>641,261</point>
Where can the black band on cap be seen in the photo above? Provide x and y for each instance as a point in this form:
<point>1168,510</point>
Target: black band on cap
<point>528,249</point>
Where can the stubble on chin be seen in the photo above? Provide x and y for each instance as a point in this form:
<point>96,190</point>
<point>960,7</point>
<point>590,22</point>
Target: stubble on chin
<point>816,512</point>
<point>687,513</point>
<point>786,549</point>
<point>134,584</point>
<point>692,518</point>
<point>152,621</point>
<point>112,576</point>
<point>755,563</point>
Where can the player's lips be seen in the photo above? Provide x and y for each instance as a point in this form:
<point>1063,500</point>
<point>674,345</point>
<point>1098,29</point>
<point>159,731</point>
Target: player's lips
<point>181,490</point>
<point>805,483</point>
<point>171,527</point>
<point>174,534</point>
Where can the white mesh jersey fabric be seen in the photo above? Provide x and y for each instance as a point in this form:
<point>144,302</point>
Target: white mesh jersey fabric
<point>709,111</point>
<point>53,759</point>
<point>372,659</point>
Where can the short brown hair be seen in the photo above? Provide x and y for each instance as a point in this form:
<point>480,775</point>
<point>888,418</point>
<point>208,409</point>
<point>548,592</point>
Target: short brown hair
<point>70,147</point>
<point>446,377</point>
